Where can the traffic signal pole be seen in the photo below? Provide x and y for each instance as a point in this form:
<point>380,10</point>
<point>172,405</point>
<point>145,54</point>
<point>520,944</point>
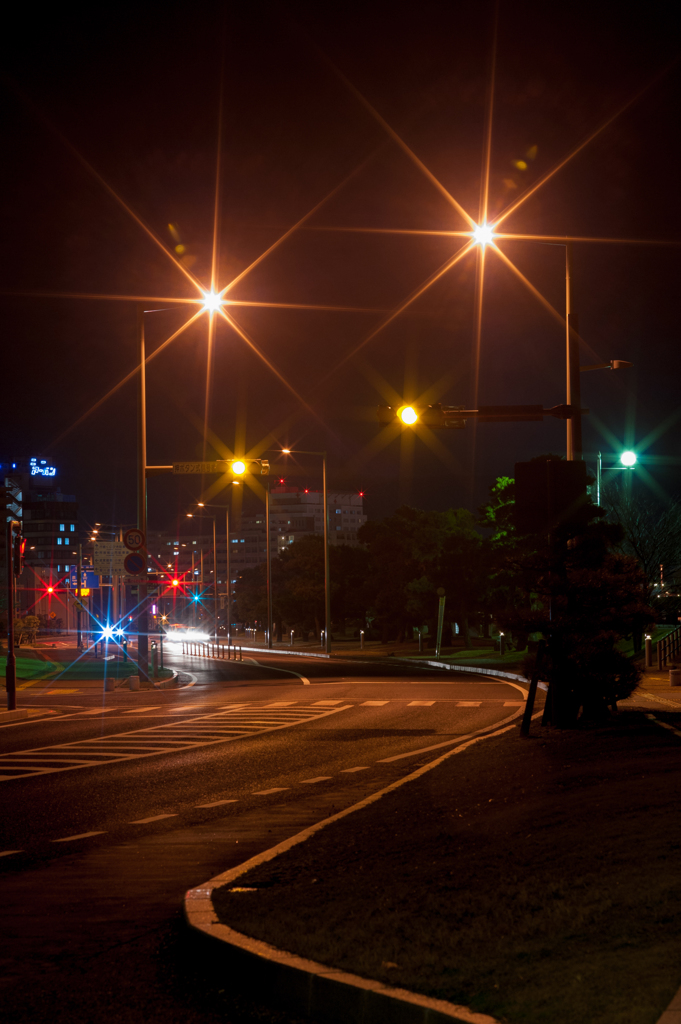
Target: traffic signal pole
<point>573,387</point>
<point>79,599</point>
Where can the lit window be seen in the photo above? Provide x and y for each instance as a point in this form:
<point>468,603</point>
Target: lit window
<point>72,527</point>
<point>338,511</point>
<point>61,527</point>
<point>58,540</point>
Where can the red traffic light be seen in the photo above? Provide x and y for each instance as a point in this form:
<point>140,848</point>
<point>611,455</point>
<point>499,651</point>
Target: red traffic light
<point>19,551</point>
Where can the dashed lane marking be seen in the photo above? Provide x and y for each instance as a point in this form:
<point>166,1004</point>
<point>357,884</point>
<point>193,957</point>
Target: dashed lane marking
<point>326,703</point>
<point>175,737</point>
<point>320,778</point>
<point>154,817</point>
<point>360,768</point>
<point>81,835</point>
<point>266,792</point>
<point>217,803</point>
<point>422,703</point>
<point>513,703</point>
<point>8,853</point>
<point>470,704</point>
<point>374,703</point>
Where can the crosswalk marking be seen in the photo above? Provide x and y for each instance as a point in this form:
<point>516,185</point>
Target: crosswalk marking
<point>326,703</point>
<point>281,704</point>
<point>97,711</point>
<point>138,711</point>
<point>237,721</point>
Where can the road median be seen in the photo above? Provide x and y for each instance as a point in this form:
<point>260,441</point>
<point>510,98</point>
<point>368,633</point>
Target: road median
<point>532,881</point>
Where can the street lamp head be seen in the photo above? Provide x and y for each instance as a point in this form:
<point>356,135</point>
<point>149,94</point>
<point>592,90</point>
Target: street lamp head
<point>483,234</point>
<point>285,451</point>
<point>190,515</point>
<point>239,468</point>
<point>201,504</point>
<point>211,301</point>
<point>628,459</point>
<point>408,414</point>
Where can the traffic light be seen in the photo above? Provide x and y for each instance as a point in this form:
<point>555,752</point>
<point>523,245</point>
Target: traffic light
<point>241,466</point>
<point>429,415</point>
<point>18,554</point>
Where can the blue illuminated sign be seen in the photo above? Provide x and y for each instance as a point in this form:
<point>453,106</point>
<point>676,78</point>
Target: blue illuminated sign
<point>41,468</point>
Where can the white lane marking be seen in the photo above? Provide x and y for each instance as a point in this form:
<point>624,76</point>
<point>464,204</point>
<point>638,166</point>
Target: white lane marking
<point>138,711</point>
<point>277,789</point>
<point>447,743</point>
<point>288,671</point>
<point>326,703</point>
<point>420,703</point>
<point>361,768</point>
<point>154,817</point>
<point>81,835</point>
<point>183,707</point>
<point>281,704</point>
<point>8,853</point>
<point>97,711</point>
<point>374,703</point>
<point>665,725</point>
<point>216,803</point>
<point>513,703</point>
<point>471,704</point>
<point>320,778</point>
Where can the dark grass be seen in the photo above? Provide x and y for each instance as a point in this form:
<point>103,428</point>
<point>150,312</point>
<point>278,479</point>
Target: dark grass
<point>538,881</point>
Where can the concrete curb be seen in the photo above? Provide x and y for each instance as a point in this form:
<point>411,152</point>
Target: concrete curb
<point>314,989</point>
<point>13,716</point>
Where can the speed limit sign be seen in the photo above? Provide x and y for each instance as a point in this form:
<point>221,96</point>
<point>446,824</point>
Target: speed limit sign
<point>134,539</point>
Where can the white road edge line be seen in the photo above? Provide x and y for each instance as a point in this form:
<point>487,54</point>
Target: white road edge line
<point>272,668</point>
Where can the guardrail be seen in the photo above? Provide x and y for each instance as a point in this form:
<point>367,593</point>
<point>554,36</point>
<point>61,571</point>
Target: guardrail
<point>668,648</point>
<point>200,649</point>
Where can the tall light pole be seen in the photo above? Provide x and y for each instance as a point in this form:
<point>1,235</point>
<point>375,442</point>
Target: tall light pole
<point>201,505</point>
<point>327,574</point>
<point>142,616</point>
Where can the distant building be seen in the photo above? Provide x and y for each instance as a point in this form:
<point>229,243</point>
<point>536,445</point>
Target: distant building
<point>49,518</point>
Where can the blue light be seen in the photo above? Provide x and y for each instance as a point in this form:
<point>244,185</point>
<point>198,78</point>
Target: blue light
<point>41,469</point>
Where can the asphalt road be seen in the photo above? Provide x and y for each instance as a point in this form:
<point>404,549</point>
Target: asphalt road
<point>112,805</point>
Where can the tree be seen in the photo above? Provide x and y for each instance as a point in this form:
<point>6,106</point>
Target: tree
<point>651,532</point>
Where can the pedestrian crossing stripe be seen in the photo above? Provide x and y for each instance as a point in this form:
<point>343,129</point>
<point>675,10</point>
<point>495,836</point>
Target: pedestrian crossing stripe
<point>201,731</point>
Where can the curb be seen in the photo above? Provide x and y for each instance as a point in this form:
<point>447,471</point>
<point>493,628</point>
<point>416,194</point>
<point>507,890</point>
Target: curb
<point>315,989</point>
<point>13,716</point>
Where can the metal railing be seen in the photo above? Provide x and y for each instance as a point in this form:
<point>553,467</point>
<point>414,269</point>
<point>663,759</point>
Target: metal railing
<point>668,648</point>
<point>210,649</point>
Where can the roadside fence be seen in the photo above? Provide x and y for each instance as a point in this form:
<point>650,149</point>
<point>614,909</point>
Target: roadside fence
<point>225,652</point>
<point>668,648</point>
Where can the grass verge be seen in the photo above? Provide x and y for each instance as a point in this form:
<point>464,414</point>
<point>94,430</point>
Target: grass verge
<point>535,880</point>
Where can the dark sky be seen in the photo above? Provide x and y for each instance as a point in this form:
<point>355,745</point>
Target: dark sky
<point>135,93</point>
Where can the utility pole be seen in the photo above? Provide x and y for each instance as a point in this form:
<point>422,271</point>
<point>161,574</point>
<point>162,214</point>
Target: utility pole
<point>142,615</point>
<point>269,563</point>
<point>79,588</point>
<point>573,383</point>
<point>327,587</point>
<point>11,669</point>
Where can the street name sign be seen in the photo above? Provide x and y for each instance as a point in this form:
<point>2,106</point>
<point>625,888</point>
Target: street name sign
<point>186,468</point>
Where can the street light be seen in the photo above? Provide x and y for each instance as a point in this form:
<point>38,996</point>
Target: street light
<point>408,414</point>
<point>202,504</point>
<point>327,581</point>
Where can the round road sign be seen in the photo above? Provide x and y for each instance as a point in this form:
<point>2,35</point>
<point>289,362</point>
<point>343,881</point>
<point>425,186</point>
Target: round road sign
<point>134,539</point>
<point>135,564</point>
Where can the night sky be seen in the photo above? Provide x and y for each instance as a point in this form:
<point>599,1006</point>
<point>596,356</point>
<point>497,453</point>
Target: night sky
<point>134,92</point>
